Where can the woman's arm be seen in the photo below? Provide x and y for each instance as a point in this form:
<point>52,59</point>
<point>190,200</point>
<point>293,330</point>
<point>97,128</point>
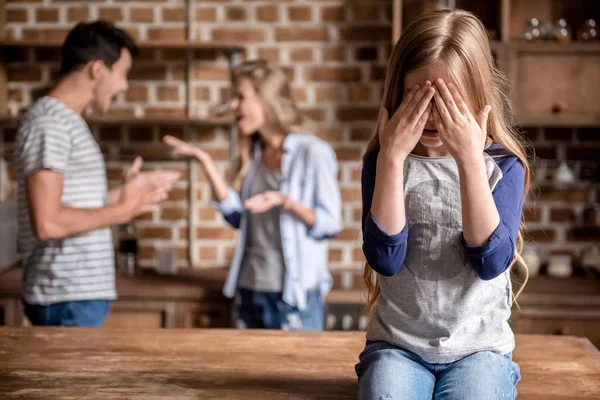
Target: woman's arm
<point>327,220</point>
<point>227,200</point>
<point>305,214</point>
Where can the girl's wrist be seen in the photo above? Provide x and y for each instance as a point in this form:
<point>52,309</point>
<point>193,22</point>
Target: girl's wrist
<point>392,160</point>
<point>469,160</point>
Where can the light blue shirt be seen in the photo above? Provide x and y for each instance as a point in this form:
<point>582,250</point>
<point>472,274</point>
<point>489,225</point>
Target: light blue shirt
<point>309,171</point>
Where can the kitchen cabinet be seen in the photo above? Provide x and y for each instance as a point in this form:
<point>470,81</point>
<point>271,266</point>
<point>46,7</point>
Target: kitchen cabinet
<point>191,299</point>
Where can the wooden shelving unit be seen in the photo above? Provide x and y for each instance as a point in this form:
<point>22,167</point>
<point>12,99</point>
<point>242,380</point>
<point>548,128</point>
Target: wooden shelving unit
<point>567,306</point>
<point>7,120</point>
<point>232,51</point>
<point>554,84</point>
<point>157,45</point>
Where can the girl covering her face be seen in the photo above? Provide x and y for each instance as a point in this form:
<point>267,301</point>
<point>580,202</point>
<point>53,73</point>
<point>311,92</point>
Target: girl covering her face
<point>443,183</point>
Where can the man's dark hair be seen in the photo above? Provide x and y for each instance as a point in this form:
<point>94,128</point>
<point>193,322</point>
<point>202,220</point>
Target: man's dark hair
<point>99,40</point>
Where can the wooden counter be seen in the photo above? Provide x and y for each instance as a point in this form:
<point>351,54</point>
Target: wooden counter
<point>547,306</point>
<point>192,298</point>
<point>65,363</point>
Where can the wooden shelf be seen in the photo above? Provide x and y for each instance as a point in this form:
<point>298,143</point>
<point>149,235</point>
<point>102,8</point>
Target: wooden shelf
<point>559,120</point>
<point>185,45</point>
<point>552,47</point>
<point>117,120</point>
<point>547,47</point>
<point>540,286</point>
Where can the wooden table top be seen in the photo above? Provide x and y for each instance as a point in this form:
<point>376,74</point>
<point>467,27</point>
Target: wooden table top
<point>74,363</point>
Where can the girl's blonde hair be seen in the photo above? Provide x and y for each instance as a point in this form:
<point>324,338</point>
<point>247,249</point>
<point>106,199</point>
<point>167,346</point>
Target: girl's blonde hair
<point>273,88</point>
<point>457,40</point>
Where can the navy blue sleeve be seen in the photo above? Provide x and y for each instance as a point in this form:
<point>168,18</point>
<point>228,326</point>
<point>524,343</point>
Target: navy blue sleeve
<point>384,253</point>
<point>491,259</point>
<point>234,219</point>
<point>231,208</point>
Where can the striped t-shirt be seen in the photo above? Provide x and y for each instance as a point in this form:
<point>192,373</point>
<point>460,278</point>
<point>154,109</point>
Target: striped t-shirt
<point>81,267</point>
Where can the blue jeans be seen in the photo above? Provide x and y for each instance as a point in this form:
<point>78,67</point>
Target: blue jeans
<point>389,372</point>
<point>89,313</point>
<point>267,310</point>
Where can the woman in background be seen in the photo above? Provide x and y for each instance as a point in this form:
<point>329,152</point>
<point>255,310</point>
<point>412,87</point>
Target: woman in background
<point>285,200</point>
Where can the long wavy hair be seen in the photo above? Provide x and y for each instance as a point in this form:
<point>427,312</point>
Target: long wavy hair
<point>273,88</point>
<point>458,41</point>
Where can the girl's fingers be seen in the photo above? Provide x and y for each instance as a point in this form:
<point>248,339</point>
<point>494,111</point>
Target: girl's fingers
<point>438,121</point>
<point>406,99</point>
<point>416,100</point>
<point>460,103</point>
<point>442,110</point>
<point>449,102</point>
<point>421,106</point>
<point>424,117</point>
<point>382,120</point>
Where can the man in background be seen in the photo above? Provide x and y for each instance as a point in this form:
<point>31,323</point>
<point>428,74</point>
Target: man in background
<point>65,210</point>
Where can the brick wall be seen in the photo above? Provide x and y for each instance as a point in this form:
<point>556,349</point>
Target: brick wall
<point>333,50</point>
<point>554,213</point>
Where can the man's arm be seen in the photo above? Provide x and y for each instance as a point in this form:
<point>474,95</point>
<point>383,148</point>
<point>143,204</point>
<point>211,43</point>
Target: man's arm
<point>50,219</point>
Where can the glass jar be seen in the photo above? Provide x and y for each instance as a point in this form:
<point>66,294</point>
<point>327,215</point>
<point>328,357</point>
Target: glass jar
<point>559,266</point>
<point>532,259</point>
<point>128,249</point>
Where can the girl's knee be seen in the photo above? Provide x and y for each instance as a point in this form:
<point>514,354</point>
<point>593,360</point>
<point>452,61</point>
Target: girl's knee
<point>385,372</point>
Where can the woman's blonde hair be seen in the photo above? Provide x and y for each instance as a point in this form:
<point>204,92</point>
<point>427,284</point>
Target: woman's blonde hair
<point>458,41</point>
<point>273,88</point>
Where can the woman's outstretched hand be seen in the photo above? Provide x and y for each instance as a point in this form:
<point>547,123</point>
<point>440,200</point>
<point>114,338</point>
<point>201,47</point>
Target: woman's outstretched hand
<point>186,149</point>
<point>265,201</point>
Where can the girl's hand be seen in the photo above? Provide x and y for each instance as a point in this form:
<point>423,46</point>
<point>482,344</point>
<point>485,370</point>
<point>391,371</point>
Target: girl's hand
<point>463,135</point>
<point>186,149</point>
<point>265,201</point>
<point>399,136</point>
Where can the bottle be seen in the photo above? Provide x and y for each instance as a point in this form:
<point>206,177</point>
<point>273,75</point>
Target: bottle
<point>590,259</point>
<point>564,175</point>
<point>532,30</point>
<point>561,31</point>
<point>128,248</point>
<point>589,31</point>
